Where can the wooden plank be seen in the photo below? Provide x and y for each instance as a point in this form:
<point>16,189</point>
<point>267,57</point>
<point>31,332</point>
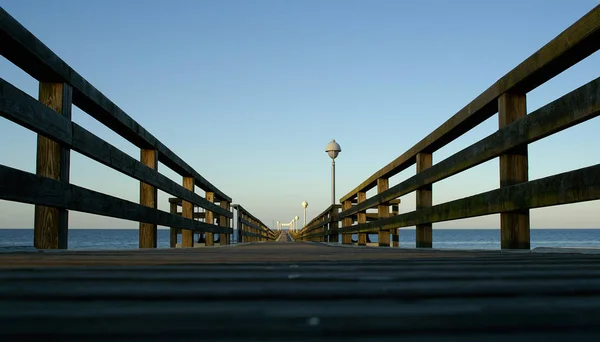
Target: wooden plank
<point>424,200</point>
<point>362,218</point>
<point>395,232</point>
<point>187,211</point>
<point>148,233</point>
<point>514,225</point>
<point>346,223</point>
<point>23,49</point>
<point>210,218</point>
<point>574,44</point>
<point>51,225</point>
<point>24,110</point>
<point>173,230</point>
<point>383,211</point>
<point>224,222</point>
<point>24,187</point>
<point>333,225</point>
<point>564,188</point>
<point>571,109</point>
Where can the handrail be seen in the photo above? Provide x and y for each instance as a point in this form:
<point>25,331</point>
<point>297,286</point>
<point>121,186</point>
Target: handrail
<point>516,194</point>
<point>50,190</point>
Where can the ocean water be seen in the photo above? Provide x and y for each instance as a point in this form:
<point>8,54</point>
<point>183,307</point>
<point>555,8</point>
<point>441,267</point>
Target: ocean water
<point>442,238</point>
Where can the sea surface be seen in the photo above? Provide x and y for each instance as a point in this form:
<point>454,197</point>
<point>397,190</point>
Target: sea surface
<point>442,238</point>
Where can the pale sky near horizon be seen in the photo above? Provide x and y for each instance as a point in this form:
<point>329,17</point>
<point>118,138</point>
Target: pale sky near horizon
<point>250,92</point>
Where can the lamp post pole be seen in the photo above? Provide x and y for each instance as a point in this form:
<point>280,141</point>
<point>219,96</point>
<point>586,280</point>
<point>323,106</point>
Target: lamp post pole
<point>304,205</point>
<point>333,149</point>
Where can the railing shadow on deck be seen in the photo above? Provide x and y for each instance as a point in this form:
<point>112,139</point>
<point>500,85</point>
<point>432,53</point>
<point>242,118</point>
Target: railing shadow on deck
<point>516,194</point>
<point>50,190</point>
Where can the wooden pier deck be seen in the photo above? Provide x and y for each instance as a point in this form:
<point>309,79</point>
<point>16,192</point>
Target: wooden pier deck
<point>298,291</point>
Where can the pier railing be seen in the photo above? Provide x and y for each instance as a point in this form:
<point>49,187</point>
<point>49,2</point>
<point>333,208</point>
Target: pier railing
<point>60,88</point>
<point>251,229</point>
<point>516,129</point>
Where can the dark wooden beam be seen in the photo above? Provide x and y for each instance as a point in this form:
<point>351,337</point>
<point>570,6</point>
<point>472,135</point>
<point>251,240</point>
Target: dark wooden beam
<point>564,188</point>
<point>571,109</point>
<point>148,234</point>
<point>574,44</point>
<point>24,187</point>
<point>26,111</point>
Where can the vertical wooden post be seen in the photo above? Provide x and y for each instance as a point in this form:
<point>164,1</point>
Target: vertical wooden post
<point>514,225</point>
<point>424,200</point>
<point>187,211</point>
<point>395,231</point>
<point>362,218</point>
<point>383,211</point>
<point>224,222</point>
<point>346,222</point>
<point>173,230</point>
<point>51,225</point>
<point>240,226</point>
<point>333,225</point>
<point>148,198</point>
<point>210,219</point>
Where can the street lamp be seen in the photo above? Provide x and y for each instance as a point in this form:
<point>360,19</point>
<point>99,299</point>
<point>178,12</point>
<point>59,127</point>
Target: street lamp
<point>296,220</point>
<point>304,205</point>
<point>333,149</point>
<point>278,226</point>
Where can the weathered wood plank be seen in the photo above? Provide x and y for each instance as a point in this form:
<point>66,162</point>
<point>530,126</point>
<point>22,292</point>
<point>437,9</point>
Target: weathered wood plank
<point>574,44</point>
<point>51,225</point>
<point>424,200</point>
<point>383,212</point>
<point>148,234</point>
<point>346,224</point>
<point>24,187</point>
<point>571,109</point>
<point>23,49</point>
<point>173,230</point>
<point>514,225</point>
<point>210,218</point>
<point>187,211</point>
<point>564,188</point>
<point>362,218</point>
<point>24,110</point>
<point>224,222</point>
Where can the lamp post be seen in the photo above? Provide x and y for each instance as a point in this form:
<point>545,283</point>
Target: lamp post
<point>304,205</point>
<point>333,149</point>
<point>296,220</point>
<point>278,226</point>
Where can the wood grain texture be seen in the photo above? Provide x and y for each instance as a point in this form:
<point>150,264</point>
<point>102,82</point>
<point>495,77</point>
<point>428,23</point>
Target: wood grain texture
<point>362,218</point>
<point>148,234</point>
<point>210,218</point>
<point>306,290</point>
<point>424,199</point>
<point>173,230</point>
<point>514,226</point>
<point>383,212</point>
<point>187,211</point>
<point>571,109</point>
<point>346,224</point>
<point>574,44</point>
<point>51,224</point>
<point>224,222</point>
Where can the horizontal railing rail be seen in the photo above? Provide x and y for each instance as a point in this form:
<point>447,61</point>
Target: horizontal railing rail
<point>250,228</point>
<point>50,190</point>
<point>517,129</point>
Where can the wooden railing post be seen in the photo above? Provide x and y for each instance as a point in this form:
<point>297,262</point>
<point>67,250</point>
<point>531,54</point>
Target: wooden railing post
<point>240,226</point>
<point>187,211</point>
<point>51,225</point>
<point>395,231</point>
<point>333,225</point>
<point>424,200</point>
<point>362,218</point>
<point>148,198</point>
<point>514,226</point>
<point>224,222</point>
<point>346,222</point>
<point>209,218</point>
<point>173,230</point>
<point>383,211</point>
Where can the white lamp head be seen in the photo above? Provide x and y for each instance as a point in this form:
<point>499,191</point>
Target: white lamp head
<point>333,149</point>
<point>304,204</point>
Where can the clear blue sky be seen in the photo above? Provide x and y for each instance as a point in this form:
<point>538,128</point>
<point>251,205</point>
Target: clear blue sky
<point>250,92</point>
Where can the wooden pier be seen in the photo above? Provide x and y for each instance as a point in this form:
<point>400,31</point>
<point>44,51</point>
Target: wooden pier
<point>267,285</point>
